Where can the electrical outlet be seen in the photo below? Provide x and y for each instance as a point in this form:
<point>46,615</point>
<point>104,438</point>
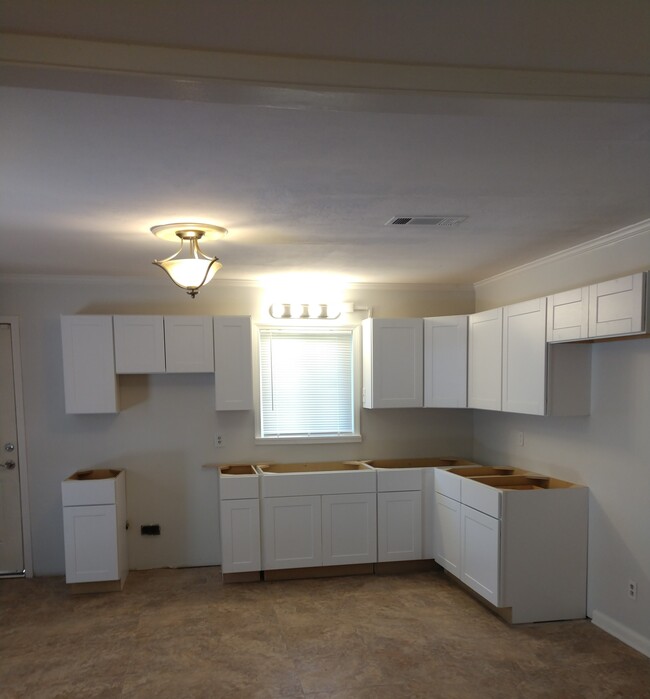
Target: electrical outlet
<point>520,439</point>
<point>631,589</point>
<point>218,441</point>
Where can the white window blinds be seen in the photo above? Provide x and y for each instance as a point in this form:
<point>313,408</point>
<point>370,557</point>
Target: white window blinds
<point>306,382</point>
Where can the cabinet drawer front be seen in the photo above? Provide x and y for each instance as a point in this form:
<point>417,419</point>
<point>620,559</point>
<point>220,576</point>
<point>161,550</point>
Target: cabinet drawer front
<point>391,480</point>
<point>447,484</point>
<point>238,487</point>
<point>483,498</point>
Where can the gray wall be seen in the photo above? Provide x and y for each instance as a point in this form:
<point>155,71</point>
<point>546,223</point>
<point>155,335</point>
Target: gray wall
<point>164,434</point>
<point>609,450</point>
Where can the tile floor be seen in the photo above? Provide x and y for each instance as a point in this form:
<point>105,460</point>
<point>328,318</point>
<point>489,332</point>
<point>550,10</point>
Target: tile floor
<point>182,634</point>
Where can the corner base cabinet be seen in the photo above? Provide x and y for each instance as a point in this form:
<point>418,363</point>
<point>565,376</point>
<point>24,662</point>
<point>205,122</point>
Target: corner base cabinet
<point>94,527</point>
<point>517,539</point>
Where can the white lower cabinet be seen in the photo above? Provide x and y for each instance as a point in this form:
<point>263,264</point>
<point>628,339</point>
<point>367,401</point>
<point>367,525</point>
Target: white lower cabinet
<point>519,540</point>
<point>94,527</point>
<point>399,526</point>
<point>239,508</point>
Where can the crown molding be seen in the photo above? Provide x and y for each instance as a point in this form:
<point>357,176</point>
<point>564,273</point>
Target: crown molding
<point>633,231</point>
<point>217,283</point>
<point>81,65</point>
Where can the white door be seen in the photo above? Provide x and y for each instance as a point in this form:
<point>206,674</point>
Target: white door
<point>291,531</point>
<point>399,526</point>
<point>446,533</point>
<point>524,357</point>
<point>11,535</point>
<point>484,360</point>
<point>349,529</point>
<point>480,547</point>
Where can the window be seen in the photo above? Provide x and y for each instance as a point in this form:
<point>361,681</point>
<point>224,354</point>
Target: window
<point>307,384</point>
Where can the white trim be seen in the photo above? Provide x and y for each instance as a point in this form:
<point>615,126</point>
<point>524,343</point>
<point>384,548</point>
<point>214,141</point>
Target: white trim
<point>13,278</point>
<point>30,60</point>
<point>623,633</point>
<point>603,241</point>
<point>12,321</point>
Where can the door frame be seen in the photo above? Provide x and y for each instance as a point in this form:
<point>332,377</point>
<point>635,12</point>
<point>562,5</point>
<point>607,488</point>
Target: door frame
<point>13,322</point>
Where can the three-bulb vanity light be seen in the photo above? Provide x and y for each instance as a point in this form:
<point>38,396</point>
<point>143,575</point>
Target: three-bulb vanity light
<point>305,311</point>
<point>195,269</point>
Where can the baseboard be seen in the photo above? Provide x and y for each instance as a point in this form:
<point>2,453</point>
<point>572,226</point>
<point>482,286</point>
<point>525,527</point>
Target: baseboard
<point>623,633</point>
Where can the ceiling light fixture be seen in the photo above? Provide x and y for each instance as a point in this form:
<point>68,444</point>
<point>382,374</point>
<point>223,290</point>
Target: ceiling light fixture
<point>195,269</point>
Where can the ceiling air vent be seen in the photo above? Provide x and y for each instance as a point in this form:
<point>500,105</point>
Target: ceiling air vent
<point>440,221</point>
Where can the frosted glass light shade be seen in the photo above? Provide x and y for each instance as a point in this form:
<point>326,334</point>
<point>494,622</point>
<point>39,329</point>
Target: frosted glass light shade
<point>192,271</point>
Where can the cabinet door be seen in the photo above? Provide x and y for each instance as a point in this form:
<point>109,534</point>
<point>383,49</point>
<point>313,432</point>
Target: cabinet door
<point>189,344</point>
<point>291,532</point>
<point>392,363</point>
<point>139,344</point>
<point>399,526</point>
<point>90,538</point>
<point>446,533</point>
<point>568,315</point>
<point>240,535</point>
<point>484,360</point>
<point>480,547</point>
<point>349,529</point>
<point>524,357</point>
<point>617,307</point>
<point>233,363</point>
<point>89,379</point>
<point>445,362</point>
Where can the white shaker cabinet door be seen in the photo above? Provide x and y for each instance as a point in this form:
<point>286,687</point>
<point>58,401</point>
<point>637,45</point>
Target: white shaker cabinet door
<point>349,528</point>
<point>189,344</point>
<point>617,306</point>
<point>480,550</point>
<point>291,532</point>
<point>524,357</point>
<point>446,533</point>
<point>89,379</point>
<point>139,344</point>
<point>233,363</point>
<point>91,543</point>
<point>399,526</point>
<point>445,362</point>
<point>484,359</point>
<point>240,535</point>
<point>392,363</point>
<point>568,315</point>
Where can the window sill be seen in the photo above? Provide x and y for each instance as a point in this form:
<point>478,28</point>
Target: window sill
<point>308,440</point>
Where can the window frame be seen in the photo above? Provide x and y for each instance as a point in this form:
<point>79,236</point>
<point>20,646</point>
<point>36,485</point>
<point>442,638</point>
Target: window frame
<point>356,386</point>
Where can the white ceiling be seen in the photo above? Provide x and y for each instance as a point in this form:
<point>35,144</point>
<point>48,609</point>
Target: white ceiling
<point>303,176</point>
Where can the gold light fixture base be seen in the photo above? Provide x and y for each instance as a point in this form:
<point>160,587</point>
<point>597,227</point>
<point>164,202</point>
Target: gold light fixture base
<point>173,231</point>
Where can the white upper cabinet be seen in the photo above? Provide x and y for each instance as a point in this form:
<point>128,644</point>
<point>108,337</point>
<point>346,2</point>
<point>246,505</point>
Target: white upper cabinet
<point>484,359</point>
<point>392,363</point>
<point>89,379</point>
<point>618,306</point>
<point>139,344</point>
<point>233,363</point>
<point>568,315</point>
<point>189,344</point>
<point>445,362</point>
<point>524,357</point>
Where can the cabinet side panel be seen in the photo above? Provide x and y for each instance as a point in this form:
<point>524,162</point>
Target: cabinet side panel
<point>545,554</point>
